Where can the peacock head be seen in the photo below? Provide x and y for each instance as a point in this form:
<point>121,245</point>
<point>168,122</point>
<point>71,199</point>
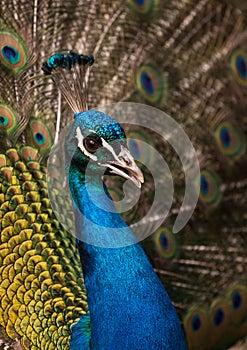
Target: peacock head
<point>96,144</point>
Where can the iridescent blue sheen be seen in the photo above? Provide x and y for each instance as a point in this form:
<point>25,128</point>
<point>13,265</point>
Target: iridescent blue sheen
<point>225,137</point>
<point>129,307</point>
<point>11,54</point>
<point>55,60</point>
<point>66,61</point>
<point>39,138</point>
<point>147,83</point>
<point>236,300</point>
<point>218,317</point>
<point>134,148</point>
<point>204,185</point>
<point>108,128</point>
<point>241,66</point>
<point>3,121</point>
<point>196,323</point>
<point>164,241</point>
<point>139,2</point>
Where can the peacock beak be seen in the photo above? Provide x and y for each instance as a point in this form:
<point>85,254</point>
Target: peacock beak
<point>124,165</point>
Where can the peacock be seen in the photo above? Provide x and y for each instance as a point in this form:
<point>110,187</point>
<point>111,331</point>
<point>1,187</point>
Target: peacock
<point>186,58</point>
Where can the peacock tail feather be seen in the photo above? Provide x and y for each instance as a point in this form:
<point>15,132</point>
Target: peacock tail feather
<point>188,58</point>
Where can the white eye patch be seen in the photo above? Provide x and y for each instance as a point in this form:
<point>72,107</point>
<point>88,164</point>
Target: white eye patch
<point>106,145</point>
<point>109,148</point>
<point>80,139</point>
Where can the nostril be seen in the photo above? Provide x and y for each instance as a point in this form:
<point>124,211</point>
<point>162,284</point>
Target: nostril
<point>127,161</point>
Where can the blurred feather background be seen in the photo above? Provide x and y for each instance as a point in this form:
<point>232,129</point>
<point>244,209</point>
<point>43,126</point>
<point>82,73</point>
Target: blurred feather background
<point>188,58</point>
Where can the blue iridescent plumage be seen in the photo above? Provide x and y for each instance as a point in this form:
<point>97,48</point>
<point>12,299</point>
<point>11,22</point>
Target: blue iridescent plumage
<point>66,61</point>
<point>239,66</point>
<point>14,51</point>
<point>129,307</point>
<point>236,300</point>
<point>11,54</point>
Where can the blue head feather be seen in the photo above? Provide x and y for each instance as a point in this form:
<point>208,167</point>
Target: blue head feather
<point>101,123</point>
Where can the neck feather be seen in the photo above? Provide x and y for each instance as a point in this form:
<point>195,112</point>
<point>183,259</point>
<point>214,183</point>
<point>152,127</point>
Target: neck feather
<point>97,221</point>
<point>129,307</point>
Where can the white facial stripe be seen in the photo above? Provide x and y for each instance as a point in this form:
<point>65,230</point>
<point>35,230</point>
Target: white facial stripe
<point>80,139</point>
<point>109,148</point>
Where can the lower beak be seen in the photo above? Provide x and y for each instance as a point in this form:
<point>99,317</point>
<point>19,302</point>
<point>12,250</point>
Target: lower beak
<point>126,167</point>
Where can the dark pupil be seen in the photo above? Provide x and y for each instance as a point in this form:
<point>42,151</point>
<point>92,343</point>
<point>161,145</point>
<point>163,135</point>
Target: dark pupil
<point>91,145</point>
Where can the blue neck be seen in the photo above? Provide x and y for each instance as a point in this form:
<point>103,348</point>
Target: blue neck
<point>129,307</point>
<point>97,221</point>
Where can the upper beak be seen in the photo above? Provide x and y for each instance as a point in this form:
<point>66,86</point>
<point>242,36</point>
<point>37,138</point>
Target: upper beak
<point>126,167</point>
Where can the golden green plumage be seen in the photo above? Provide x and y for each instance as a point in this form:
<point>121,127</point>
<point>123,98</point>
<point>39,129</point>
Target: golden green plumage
<point>41,287</point>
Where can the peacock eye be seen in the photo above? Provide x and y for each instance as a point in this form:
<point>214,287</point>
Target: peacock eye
<point>92,143</point>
